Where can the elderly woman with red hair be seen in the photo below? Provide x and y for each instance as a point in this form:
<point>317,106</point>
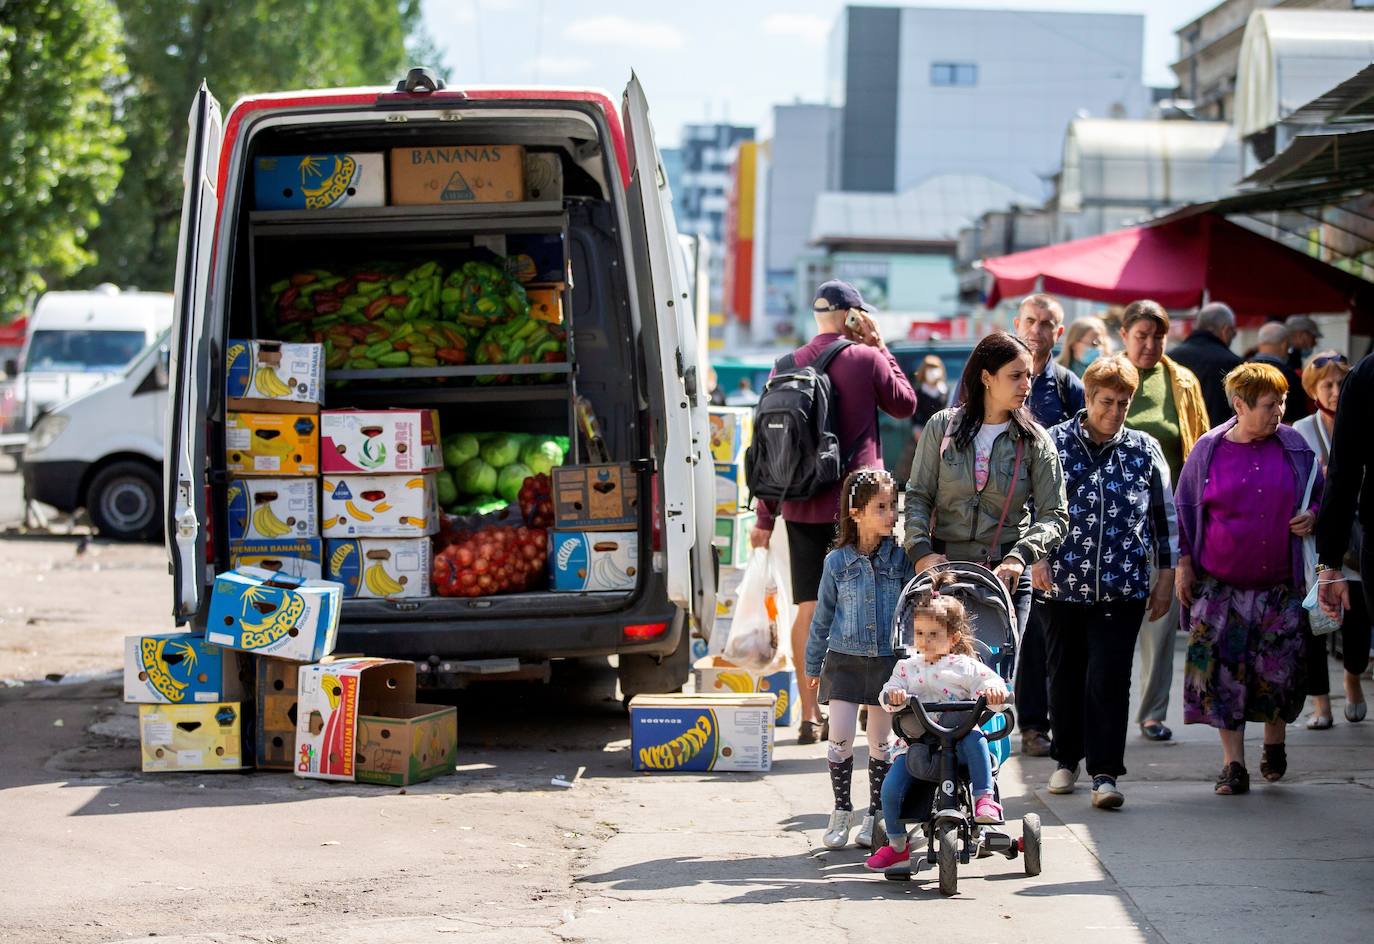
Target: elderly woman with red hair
<point>1241,520</point>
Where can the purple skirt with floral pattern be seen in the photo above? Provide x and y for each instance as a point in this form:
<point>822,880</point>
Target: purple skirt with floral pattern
<point>1245,656</point>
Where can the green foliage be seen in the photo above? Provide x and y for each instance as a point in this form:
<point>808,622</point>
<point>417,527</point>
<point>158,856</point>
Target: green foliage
<point>60,157</point>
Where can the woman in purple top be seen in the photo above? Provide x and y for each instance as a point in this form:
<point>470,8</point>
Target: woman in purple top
<point>1240,573</point>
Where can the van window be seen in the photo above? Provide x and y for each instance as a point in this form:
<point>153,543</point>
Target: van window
<point>83,350</point>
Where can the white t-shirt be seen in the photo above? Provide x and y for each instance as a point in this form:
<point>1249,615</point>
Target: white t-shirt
<point>953,677</point>
<point>982,451</point>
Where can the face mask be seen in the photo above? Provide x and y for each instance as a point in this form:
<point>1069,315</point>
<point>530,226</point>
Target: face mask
<point>932,376</point>
<point>1090,355</point>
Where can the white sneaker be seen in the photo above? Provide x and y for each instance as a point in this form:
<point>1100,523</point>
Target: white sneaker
<point>1106,795</point>
<point>1063,779</point>
<point>837,833</point>
<point>864,839</point>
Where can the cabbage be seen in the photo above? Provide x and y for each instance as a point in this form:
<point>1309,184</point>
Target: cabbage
<point>444,488</point>
<point>474,477</point>
<point>501,451</point>
<point>541,455</point>
<point>511,480</point>
<point>459,448</point>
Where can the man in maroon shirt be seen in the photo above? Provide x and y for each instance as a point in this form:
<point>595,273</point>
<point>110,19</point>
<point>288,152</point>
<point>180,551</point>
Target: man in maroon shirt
<point>865,377</point>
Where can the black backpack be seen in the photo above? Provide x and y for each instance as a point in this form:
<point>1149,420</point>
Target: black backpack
<point>795,453</point>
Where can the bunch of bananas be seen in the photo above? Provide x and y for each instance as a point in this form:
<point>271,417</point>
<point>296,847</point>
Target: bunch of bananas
<point>681,749</point>
<point>270,385</point>
<point>380,583</point>
<point>267,524</point>
<point>270,442</point>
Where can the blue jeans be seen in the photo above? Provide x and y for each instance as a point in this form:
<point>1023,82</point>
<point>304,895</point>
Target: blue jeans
<point>972,751</point>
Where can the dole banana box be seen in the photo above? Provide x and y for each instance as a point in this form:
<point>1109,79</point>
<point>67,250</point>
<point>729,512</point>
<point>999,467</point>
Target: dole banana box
<point>593,560</point>
<point>465,173</point>
<point>272,444</point>
<point>415,743</point>
<point>732,427</point>
<point>273,614</point>
<point>379,506</point>
<point>732,491</point>
<point>380,441</point>
<point>728,732</point>
<point>380,568</point>
<point>274,377</point>
<point>290,557</point>
<point>715,675</point>
<point>275,699</point>
<point>319,181</point>
<point>270,509</point>
<point>732,538</point>
<point>180,668</point>
<point>191,737</point>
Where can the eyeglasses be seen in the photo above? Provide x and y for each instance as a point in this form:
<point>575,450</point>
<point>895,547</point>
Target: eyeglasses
<point>1329,359</point>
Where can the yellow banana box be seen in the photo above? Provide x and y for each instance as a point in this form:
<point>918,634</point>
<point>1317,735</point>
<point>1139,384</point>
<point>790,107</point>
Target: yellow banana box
<point>715,674</point>
<point>593,560</point>
<point>727,732</point>
<point>292,557</point>
<point>372,442</point>
<point>274,377</point>
<point>191,737</point>
<point>180,668</point>
<point>379,506</point>
<point>732,427</point>
<point>272,444</point>
<point>274,614</point>
<point>271,509</point>
<point>380,568</point>
<point>732,538</point>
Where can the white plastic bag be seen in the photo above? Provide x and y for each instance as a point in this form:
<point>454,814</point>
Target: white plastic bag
<point>1320,623</point>
<point>753,642</point>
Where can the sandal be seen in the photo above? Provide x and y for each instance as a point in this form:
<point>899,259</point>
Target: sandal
<point>1275,762</point>
<point>1234,780</point>
<point>1319,723</point>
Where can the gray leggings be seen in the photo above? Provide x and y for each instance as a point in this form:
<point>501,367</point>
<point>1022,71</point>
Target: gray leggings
<point>844,724</point>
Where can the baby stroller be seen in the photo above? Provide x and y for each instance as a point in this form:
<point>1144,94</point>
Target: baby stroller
<point>943,807</point>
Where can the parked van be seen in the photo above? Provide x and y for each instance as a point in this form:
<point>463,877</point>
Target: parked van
<point>102,450</point>
<point>630,352</point>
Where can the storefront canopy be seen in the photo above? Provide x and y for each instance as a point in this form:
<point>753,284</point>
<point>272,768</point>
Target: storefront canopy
<point>1181,263</point>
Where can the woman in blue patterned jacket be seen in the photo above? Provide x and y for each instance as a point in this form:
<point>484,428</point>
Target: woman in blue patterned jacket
<point>1097,583</point>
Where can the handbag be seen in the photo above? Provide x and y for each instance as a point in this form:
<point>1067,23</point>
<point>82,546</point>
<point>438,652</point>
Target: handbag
<point>1318,620</point>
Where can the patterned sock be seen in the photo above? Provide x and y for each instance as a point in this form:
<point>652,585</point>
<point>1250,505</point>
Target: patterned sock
<point>877,771</point>
<point>840,776</point>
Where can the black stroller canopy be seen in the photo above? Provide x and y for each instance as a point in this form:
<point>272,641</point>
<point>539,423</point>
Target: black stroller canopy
<point>985,599</point>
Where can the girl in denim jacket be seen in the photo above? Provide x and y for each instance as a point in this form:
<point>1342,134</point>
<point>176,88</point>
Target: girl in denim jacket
<point>849,651</point>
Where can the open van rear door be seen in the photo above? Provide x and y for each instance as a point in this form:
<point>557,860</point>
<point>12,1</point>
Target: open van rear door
<point>184,473</point>
<point>681,445</point>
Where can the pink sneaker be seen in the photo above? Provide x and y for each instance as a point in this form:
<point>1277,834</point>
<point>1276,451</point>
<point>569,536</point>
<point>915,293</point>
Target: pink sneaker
<point>987,810</point>
<point>886,857</point>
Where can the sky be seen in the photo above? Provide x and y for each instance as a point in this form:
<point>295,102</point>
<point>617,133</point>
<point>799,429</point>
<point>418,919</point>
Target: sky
<point>704,60</point>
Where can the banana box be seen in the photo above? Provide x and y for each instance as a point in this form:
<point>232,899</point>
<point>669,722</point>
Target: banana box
<point>728,732</point>
<point>180,668</point>
<point>292,557</point>
<point>274,614</point>
<point>582,561</point>
<point>191,737</point>
<point>319,181</point>
<point>464,173</point>
<point>595,497</point>
<point>272,444</point>
<point>715,675</point>
<point>415,743</point>
<point>732,538</point>
<point>380,441</point>
<point>275,699</point>
<point>274,377</point>
<point>732,490</point>
<point>377,568</point>
<point>330,698</point>
<point>270,509</point>
<point>732,427</point>
<point>727,592</point>
<point>379,506</point>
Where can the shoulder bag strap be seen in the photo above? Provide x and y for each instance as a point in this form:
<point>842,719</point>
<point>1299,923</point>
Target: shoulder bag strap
<point>996,544</point>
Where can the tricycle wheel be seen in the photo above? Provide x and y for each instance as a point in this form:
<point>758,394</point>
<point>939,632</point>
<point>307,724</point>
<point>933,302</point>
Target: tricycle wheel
<point>947,854</point>
<point>1030,843</point>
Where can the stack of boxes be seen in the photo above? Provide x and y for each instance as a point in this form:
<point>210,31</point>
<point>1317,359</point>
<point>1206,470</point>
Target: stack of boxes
<point>731,431</point>
<point>594,545</point>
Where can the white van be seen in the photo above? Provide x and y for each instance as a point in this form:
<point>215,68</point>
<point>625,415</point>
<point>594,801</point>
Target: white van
<point>631,353</point>
<point>102,450</point>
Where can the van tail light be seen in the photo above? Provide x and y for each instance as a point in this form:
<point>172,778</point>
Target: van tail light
<point>638,632</point>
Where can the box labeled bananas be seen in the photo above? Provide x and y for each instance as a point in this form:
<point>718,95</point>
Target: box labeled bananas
<point>291,557</point>
<point>275,698</point>
<point>732,490</point>
<point>732,427</point>
<point>415,743</point>
<point>191,737</point>
<point>274,377</point>
<point>732,538</point>
<point>273,614</point>
<point>272,444</point>
<point>329,699</point>
<point>715,674</point>
<point>380,441</point>
<point>319,181</point>
<point>582,561</point>
<point>730,732</point>
<point>269,509</point>
<point>380,568</point>
<point>379,506</point>
<point>180,668</point>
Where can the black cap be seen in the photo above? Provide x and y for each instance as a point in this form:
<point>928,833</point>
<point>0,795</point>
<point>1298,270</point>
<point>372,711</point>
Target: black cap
<point>836,294</point>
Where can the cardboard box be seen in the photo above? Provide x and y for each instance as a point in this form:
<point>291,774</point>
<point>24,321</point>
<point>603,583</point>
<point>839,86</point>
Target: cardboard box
<point>581,561</point>
<point>732,491</point>
<point>715,675</point>
<point>319,181</point>
<point>275,700</point>
<point>415,743</point>
<point>469,173</point>
<point>702,732</point>
<point>379,568</point>
<point>727,592</point>
<point>380,441</point>
<point>272,444</point>
<point>732,538</point>
<point>535,257</point>
<point>180,668</point>
<point>544,176</point>
<point>272,377</point>
<point>546,303</point>
<point>270,509</point>
<point>191,737</point>
<point>595,497</point>
<point>379,506</point>
<point>732,428</point>
<point>291,557</point>
<point>274,614</point>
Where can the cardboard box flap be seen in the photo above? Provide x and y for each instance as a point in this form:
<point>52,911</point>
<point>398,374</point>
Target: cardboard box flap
<point>731,699</point>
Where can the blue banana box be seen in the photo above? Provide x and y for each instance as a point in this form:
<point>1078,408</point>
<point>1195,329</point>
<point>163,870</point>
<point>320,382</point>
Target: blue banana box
<point>273,614</point>
<point>319,181</point>
<point>380,568</point>
<point>291,557</point>
<point>180,668</point>
<point>731,732</point>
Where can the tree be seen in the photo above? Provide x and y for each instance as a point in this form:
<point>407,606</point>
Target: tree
<point>239,47</point>
<point>61,156</point>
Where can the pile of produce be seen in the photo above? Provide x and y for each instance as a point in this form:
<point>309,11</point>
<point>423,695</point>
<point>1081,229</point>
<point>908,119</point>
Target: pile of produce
<point>495,559</point>
<point>484,472</point>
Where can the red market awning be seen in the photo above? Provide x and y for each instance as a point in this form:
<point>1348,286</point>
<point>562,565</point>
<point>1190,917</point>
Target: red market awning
<point>1175,262</point>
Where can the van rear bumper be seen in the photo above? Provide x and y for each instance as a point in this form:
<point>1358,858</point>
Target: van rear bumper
<point>55,483</point>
